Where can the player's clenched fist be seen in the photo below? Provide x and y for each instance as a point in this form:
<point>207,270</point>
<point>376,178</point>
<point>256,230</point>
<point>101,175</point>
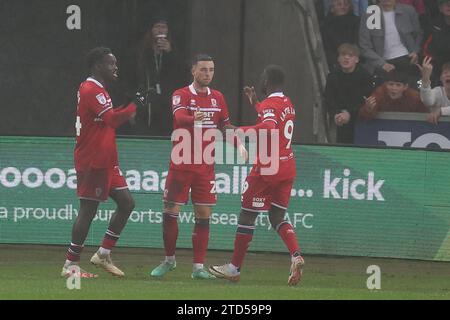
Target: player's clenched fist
<point>198,115</point>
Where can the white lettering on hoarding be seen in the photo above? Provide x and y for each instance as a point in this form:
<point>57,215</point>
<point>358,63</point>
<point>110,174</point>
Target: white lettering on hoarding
<point>400,139</point>
<point>332,186</point>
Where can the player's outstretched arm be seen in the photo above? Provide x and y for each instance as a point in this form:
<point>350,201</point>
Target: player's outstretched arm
<point>122,114</point>
<point>235,141</point>
<point>184,119</point>
<point>115,118</point>
<point>266,125</point>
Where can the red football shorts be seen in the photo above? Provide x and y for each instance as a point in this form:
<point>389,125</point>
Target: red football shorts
<point>202,187</point>
<point>96,184</point>
<point>259,194</point>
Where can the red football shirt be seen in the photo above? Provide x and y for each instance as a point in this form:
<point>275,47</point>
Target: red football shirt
<point>95,141</point>
<point>278,108</point>
<point>186,101</point>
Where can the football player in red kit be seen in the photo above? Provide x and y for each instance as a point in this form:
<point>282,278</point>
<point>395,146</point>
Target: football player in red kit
<point>195,108</point>
<point>264,190</point>
<point>96,161</point>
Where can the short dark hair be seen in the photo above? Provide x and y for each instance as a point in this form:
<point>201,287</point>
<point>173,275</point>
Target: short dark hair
<point>200,57</point>
<point>274,75</point>
<point>95,55</point>
<point>397,76</point>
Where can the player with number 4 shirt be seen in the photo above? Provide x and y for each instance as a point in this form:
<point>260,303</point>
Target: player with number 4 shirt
<point>96,162</point>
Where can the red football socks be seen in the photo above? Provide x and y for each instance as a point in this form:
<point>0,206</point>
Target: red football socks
<point>200,238</point>
<point>74,252</point>
<point>110,239</point>
<point>287,234</point>
<point>244,235</point>
<point>170,233</point>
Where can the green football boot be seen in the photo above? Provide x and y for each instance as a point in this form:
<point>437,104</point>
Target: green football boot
<point>202,274</point>
<point>163,268</point>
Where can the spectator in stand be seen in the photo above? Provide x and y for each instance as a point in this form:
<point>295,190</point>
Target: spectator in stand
<point>359,7</point>
<point>393,96</point>
<point>340,26</point>
<point>419,5</point>
<point>438,98</point>
<point>345,90</point>
<point>432,8</point>
<point>438,44</point>
<point>396,44</point>
<point>160,71</point>
<point>421,10</point>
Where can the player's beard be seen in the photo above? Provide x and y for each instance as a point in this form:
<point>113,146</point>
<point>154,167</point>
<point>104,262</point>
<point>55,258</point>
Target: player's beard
<point>203,83</point>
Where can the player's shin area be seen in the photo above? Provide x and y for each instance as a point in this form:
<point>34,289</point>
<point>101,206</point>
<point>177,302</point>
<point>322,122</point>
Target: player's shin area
<point>197,146</point>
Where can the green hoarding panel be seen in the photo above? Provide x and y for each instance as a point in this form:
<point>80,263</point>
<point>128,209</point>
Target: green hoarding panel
<point>346,201</point>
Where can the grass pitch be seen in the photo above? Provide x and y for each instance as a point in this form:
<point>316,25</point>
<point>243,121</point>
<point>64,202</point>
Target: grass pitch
<point>33,272</point>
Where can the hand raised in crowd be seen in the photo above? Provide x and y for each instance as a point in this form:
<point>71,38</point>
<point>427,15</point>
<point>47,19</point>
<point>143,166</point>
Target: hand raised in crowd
<point>163,44</point>
<point>342,118</point>
<point>426,69</point>
<point>414,58</point>
<point>251,95</point>
<point>388,67</point>
<point>371,103</point>
<point>433,116</point>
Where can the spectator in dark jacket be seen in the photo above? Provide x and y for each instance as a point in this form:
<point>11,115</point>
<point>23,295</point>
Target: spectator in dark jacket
<point>438,44</point>
<point>340,26</point>
<point>161,71</point>
<point>345,90</point>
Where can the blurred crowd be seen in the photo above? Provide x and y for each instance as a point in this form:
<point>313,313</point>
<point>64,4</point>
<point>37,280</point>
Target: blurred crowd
<point>395,59</point>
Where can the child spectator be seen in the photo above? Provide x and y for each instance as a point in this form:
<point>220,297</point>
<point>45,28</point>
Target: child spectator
<point>346,87</point>
<point>393,96</point>
<point>438,98</point>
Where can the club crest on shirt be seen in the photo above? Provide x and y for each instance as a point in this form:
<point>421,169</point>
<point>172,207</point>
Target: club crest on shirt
<point>214,102</point>
<point>176,100</point>
<point>101,98</point>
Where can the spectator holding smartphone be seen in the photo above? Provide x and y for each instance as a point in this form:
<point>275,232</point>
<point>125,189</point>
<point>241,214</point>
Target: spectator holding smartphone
<point>160,71</point>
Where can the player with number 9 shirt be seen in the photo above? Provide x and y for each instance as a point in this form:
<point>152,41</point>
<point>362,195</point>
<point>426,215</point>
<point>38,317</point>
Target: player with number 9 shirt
<point>263,190</point>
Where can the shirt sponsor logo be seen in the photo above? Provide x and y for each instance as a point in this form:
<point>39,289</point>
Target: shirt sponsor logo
<point>258,202</point>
